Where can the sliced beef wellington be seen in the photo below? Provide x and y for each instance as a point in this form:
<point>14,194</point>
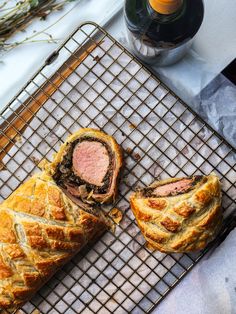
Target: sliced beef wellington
<point>179,214</point>
<point>87,167</point>
<point>41,229</point>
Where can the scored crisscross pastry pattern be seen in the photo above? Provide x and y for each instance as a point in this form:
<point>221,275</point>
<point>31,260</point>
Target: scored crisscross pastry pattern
<point>180,223</point>
<point>41,228</point>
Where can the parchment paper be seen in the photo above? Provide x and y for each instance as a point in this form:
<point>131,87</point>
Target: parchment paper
<point>118,274</point>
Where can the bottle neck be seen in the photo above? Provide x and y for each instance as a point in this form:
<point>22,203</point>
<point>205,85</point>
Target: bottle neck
<point>166,18</point>
<point>166,7</point>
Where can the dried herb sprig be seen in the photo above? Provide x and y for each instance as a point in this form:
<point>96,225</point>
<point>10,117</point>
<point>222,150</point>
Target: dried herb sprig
<point>15,17</point>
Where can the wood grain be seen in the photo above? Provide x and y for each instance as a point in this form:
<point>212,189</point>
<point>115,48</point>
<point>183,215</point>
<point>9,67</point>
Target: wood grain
<point>15,125</point>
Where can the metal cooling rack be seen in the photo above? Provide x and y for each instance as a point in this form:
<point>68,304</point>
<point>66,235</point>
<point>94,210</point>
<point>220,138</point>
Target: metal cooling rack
<point>97,83</point>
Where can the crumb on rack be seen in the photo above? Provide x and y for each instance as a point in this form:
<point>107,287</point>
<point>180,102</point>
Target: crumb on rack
<point>116,215</point>
<point>137,156</point>
<point>133,126</point>
<point>18,139</point>
<point>128,150</point>
<point>35,160</point>
<point>96,58</point>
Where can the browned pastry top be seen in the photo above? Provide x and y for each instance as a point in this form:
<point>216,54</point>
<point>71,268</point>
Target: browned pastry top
<point>41,228</point>
<point>180,214</point>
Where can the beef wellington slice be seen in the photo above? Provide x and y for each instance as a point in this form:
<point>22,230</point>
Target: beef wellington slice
<point>179,214</point>
<point>87,166</point>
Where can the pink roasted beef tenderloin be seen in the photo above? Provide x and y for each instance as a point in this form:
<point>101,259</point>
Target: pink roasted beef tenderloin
<point>91,162</point>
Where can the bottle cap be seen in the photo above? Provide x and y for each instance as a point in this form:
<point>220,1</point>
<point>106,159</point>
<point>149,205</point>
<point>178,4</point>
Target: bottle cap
<point>165,6</point>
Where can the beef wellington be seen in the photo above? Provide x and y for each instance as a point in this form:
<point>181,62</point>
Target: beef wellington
<point>179,214</point>
<point>87,167</point>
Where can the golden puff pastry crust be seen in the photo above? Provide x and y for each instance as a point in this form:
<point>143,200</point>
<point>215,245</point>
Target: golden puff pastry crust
<point>87,134</point>
<point>179,214</point>
<point>40,230</point>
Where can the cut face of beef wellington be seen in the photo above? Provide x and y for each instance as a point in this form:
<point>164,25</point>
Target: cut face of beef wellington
<point>87,167</point>
<point>179,214</point>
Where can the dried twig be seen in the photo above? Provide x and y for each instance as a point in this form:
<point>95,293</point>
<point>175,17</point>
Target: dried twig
<point>15,17</point>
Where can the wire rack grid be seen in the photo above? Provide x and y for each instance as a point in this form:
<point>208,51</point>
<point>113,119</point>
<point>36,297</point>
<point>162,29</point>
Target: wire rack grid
<point>92,81</point>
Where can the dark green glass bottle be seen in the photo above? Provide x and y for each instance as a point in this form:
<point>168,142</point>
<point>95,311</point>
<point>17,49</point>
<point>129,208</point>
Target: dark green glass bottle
<point>161,31</point>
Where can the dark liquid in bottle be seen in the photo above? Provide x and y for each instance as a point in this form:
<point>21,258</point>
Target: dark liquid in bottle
<point>159,31</point>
